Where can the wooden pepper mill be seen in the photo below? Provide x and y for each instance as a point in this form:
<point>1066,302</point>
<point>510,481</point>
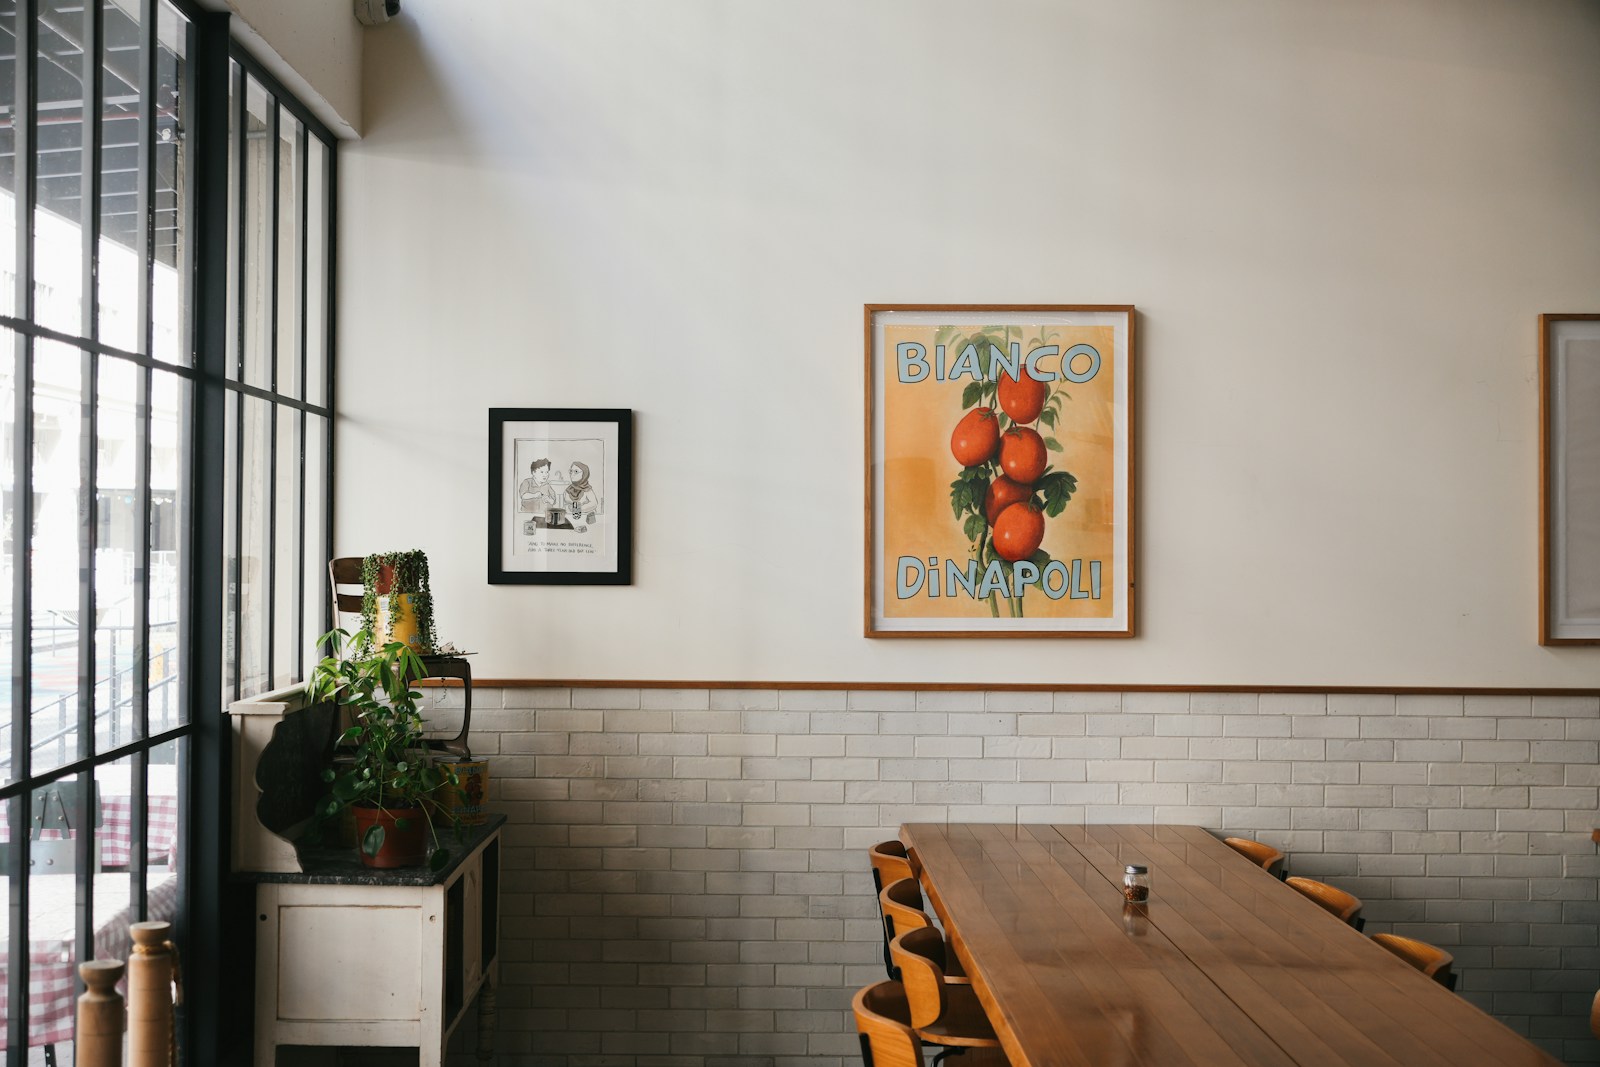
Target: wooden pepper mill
<point>101,1015</point>
<point>152,975</point>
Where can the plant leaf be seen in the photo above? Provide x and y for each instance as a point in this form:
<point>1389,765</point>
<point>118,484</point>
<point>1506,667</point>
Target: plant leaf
<point>971,394</point>
<point>437,861</point>
<point>372,840</point>
<point>1052,444</point>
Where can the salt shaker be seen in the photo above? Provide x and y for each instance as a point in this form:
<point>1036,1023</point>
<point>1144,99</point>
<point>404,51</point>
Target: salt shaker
<point>1136,883</point>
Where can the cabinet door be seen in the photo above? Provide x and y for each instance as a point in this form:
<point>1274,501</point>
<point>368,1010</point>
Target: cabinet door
<point>472,932</point>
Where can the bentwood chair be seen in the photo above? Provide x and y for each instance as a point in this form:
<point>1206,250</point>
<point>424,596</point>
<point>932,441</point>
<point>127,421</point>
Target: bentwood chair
<point>1594,1016</point>
<point>883,1019</point>
<point>942,1013</point>
<point>1266,857</point>
<point>1431,961</point>
<point>901,906</point>
<point>1331,899</point>
<point>889,864</point>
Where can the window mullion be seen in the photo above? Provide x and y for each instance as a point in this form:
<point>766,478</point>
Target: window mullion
<point>24,171</point>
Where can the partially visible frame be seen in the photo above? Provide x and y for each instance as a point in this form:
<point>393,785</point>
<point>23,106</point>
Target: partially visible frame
<point>943,558</point>
<point>1569,479</point>
<point>560,496</point>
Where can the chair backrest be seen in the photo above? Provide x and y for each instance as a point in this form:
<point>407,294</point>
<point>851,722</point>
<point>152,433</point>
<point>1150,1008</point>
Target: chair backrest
<point>889,863</point>
<point>901,903</point>
<point>1266,857</point>
<point>1430,960</point>
<point>919,954</point>
<point>883,1019</point>
<point>1594,1016</point>
<point>1331,899</point>
<point>344,571</point>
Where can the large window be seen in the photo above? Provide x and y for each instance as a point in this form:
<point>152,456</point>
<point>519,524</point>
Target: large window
<point>165,384</point>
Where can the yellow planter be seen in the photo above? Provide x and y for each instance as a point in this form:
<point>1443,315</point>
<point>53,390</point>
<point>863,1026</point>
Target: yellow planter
<point>397,621</point>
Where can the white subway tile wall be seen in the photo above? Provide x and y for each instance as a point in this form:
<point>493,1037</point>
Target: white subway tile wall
<point>685,880</point>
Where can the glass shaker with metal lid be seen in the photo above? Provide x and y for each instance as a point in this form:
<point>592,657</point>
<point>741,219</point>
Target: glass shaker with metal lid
<point>1136,883</point>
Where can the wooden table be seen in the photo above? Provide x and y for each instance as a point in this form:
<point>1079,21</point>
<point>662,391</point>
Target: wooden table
<point>1225,965</point>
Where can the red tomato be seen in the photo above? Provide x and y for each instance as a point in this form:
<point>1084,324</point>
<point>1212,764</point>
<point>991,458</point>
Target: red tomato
<point>1018,532</point>
<point>976,437</point>
<point>1022,399</point>
<point>1003,492</point>
<point>1022,455</point>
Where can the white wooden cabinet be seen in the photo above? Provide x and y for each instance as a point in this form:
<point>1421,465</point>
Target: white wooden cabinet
<point>390,965</point>
<point>345,954</point>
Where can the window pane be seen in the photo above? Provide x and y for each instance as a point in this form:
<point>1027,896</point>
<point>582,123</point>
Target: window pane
<point>255,592</point>
<point>117,551</point>
<point>170,203</point>
<point>58,818</point>
<point>121,260</point>
<point>258,236</point>
<point>169,559</point>
<point>317,554</point>
<point>58,205</point>
<point>286,553</point>
<point>8,161</point>
<point>112,891</point>
<point>230,551</point>
<point>53,555</point>
<point>316,294</point>
<point>289,196</point>
<point>235,233</point>
<point>165,832</point>
<point>8,372</point>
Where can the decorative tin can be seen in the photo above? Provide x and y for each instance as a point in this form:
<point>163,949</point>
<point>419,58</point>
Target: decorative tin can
<point>466,800</point>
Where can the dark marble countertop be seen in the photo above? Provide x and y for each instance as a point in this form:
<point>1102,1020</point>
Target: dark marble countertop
<point>331,865</point>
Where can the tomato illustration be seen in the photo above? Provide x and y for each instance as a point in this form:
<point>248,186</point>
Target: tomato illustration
<point>1022,455</point>
<point>1023,398</point>
<point>1018,531</point>
<point>1003,492</point>
<point>976,437</point>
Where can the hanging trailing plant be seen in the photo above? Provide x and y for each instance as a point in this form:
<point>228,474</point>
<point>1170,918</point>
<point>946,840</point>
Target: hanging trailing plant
<point>392,575</point>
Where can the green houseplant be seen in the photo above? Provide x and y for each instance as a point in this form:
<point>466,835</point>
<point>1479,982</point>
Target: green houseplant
<point>396,601</point>
<point>389,779</point>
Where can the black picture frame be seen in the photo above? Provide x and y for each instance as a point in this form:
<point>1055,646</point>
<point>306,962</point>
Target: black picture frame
<point>502,420</point>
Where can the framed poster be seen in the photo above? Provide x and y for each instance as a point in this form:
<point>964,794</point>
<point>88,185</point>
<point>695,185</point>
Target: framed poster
<point>560,496</point>
<point>999,470</point>
<point>1569,479</point>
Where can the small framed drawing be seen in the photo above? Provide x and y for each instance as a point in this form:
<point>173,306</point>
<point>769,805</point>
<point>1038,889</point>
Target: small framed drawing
<point>999,470</point>
<point>1569,479</point>
<point>560,496</point>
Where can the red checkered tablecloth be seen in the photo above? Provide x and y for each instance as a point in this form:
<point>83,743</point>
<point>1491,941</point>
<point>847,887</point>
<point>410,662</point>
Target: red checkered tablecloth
<point>116,831</point>
<point>52,966</point>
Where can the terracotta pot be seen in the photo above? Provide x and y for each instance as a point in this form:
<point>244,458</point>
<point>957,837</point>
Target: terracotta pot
<point>384,581</point>
<point>401,848</point>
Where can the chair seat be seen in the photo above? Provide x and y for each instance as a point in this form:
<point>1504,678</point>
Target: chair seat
<point>963,1024</point>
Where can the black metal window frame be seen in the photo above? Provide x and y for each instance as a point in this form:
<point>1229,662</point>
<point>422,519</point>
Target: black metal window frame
<point>214,917</point>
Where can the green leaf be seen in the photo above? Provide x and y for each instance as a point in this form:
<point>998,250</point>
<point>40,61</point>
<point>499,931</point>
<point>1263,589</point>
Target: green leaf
<point>973,527</point>
<point>402,825</point>
<point>1052,444</point>
<point>372,840</point>
<point>1048,417</point>
<point>438,860</point>
<point>971,394</point>
<point>327,774</point>
<point>1056,506</point>
<point>1040,558</point>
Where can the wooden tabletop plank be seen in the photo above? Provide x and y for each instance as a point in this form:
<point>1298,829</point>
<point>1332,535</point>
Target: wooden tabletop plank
<point>1245,928</point>
<point>1226,965</point>
<point>1313,1030</point>
<point>1062,977</point>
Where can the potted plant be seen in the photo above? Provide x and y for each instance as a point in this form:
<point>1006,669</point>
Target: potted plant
<point>390,778</point>
<point>396,602</point>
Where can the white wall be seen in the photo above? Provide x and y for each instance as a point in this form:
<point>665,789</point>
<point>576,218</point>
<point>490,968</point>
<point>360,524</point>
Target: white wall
<point>1339,222</point>
<point>312,46</point>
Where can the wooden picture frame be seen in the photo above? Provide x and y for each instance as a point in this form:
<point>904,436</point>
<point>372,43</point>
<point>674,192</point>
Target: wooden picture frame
<point>1569,479</point>
<point>999,468</point>
<point>560,496</point>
